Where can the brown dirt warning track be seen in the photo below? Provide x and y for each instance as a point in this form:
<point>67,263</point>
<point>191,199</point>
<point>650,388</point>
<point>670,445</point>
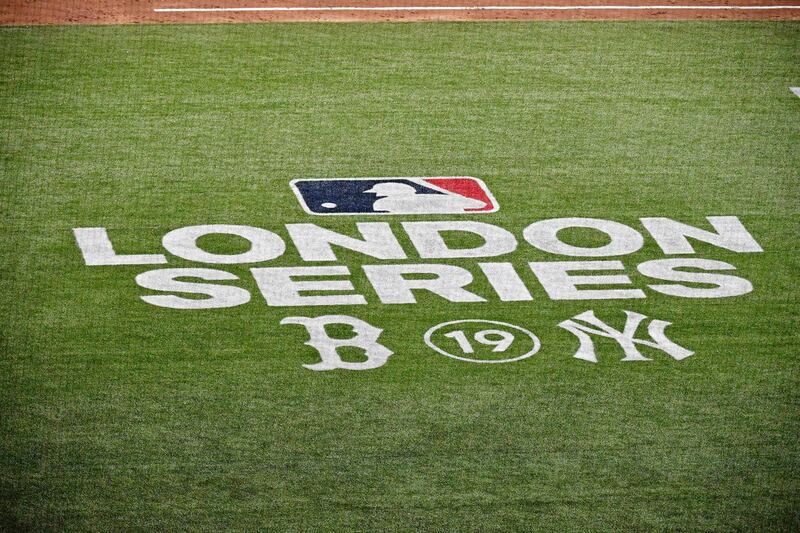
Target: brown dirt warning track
<point>25,12</point>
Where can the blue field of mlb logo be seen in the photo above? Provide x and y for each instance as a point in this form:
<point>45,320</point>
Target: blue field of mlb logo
<point>394,196</point>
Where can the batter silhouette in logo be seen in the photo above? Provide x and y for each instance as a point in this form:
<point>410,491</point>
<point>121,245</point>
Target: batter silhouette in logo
<point>394,196</point>
<point>399,198</point>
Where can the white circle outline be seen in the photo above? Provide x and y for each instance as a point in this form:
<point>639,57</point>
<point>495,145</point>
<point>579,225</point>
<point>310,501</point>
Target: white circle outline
<point>536,343</point>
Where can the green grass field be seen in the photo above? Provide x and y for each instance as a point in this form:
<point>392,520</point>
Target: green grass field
<point>119,415</point>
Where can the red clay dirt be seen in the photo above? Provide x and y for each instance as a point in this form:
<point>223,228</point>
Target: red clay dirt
<point>34,12</point>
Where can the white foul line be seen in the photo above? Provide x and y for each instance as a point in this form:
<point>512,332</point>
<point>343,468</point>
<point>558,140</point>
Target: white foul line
<point>795,90</point>
<point>469,8</point>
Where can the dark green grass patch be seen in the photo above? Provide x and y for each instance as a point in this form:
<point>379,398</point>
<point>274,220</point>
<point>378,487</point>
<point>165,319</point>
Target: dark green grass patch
<point>116,414</point>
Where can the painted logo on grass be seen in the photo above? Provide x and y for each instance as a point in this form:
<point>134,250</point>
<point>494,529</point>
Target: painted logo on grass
<point>482,341</point>
<point>394,196</point>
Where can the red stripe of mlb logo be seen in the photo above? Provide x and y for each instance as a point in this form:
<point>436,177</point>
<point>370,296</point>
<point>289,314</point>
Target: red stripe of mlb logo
<point>462,195</point>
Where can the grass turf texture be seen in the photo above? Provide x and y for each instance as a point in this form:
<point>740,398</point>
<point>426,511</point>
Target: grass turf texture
<point>117,414</point>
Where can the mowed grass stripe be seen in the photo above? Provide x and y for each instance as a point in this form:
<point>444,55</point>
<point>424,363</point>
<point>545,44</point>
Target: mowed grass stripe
<point>119,415</point>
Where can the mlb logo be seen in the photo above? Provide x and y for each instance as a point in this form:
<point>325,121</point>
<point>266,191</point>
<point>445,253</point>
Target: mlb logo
<point>394,196</point>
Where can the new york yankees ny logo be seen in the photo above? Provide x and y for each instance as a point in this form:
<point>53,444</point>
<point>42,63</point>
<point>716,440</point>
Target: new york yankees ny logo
<point>587,323</point>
